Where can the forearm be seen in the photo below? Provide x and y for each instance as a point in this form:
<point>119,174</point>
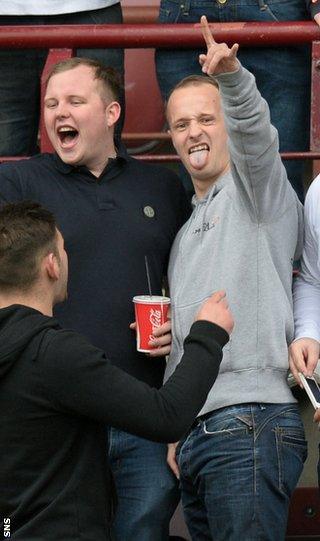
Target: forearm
<point>87,384</point>
<point>169,412</point>
<point>306,302</point>
<point>253,142</point>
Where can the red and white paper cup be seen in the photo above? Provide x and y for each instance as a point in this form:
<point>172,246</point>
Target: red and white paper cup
<point>151,312</point>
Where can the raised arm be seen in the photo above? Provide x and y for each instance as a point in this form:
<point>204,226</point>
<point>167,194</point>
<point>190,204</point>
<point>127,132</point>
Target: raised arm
<point>253,142</point>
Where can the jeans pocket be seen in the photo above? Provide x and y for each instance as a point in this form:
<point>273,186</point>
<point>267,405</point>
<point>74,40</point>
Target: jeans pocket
<point>292,450</point>
<point>286,10</point>
<point>107,15</point>
<point>169,13</point>
<point>227,426</point>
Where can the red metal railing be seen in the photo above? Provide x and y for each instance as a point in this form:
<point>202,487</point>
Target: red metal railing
<point>178,36</point>
<point>155,35</point>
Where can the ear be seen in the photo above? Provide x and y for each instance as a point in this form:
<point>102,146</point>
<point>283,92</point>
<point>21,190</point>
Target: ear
<point>113,111</point>
<point>52,266</point>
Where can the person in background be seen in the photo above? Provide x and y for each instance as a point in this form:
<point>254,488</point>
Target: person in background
<point>113,211</point>
<point>282,73</point>
<point>305,350</point>
<point>242,458</point>
<point>21,69</point>
<point>58,391</point>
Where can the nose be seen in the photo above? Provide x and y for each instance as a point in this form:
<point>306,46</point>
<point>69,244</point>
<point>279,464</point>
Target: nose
<point>194,129</point>
<point>62,110</point>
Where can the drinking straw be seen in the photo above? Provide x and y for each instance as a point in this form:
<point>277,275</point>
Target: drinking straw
<point>148,274</point>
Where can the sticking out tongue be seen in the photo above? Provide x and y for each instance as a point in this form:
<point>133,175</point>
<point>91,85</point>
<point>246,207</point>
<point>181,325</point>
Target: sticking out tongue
<point>198,158</point>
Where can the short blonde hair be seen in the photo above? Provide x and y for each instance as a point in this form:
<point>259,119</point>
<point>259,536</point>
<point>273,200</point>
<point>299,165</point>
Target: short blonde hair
<point>109,78</point>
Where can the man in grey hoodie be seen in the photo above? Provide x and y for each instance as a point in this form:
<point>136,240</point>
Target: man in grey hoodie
<point>241,460</point>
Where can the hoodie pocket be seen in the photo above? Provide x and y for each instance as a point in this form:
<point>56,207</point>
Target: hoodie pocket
<point>184,316</point>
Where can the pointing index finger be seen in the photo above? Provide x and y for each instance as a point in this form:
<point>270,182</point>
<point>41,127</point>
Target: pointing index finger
<point>206,32</point>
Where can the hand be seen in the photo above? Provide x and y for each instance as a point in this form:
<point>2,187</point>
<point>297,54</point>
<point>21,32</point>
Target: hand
<point>216,310</point>
<point>162,340</point>
<point>303,357</point>
<point>171,459</point>
<point>219,58</point>
<point>317,18</point>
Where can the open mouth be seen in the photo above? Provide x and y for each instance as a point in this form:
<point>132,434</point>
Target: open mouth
<point>199,148</point>
<point>67,135</point>
<point>198,155</point>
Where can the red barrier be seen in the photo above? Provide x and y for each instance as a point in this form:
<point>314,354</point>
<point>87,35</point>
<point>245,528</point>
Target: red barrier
<point>155,35</point>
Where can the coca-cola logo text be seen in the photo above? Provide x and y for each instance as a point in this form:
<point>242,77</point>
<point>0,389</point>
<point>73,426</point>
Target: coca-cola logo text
<point>155,318</point>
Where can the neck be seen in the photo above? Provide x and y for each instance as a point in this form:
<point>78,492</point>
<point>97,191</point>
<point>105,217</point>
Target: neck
<point>202,187</point>
<point>97,168</point>
<point>30,299</point>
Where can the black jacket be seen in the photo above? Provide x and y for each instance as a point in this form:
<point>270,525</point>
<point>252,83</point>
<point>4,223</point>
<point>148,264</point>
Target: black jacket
<point>57,392</point>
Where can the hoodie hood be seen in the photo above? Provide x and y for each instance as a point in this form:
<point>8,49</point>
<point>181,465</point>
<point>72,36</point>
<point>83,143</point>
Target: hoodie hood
<point>19,325</point>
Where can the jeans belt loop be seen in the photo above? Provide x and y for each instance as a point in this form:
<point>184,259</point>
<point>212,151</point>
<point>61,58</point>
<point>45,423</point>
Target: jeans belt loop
<point>205,416</point>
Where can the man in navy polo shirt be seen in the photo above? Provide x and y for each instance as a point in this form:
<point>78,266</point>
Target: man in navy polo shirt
<point>112,211</point>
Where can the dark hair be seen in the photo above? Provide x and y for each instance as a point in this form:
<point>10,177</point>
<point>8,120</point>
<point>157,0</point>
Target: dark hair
<point>28,232</point>
<point>109,77</point>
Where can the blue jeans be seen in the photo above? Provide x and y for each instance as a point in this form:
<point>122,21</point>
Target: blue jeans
<point>147,491</point>
<point>282,74</point>
<point>238,468</point>
<point>20,78</point>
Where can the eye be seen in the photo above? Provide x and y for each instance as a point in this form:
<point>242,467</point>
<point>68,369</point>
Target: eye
<point>207,120</point>
<point>50,104</point>
<point>76,102</point>
<point>180,126</point>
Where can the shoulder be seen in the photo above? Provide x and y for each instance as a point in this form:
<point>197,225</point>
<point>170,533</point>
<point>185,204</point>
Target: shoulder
<point>314,188</point>
<point>313,194</point>
<point>57,338</point>
<point>27,164</point>
<point>312,203</point>
<point>64,350</point>
<point>153,172</point>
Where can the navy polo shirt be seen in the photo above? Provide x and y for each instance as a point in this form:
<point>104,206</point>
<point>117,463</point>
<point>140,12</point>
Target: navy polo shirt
<point>109,225</point>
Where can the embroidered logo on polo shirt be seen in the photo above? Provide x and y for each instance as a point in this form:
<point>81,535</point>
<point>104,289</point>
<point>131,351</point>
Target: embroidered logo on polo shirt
<point>148,211</point>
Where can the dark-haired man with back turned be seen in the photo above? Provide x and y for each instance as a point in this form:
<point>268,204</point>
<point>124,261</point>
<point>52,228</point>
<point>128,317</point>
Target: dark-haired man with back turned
<point>57,392</point>
<point>113,211</point>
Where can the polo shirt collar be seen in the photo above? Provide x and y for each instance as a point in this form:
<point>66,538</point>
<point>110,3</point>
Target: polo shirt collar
<point>66,168</point>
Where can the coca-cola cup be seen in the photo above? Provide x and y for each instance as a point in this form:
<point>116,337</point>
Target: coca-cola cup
<point>151,312</point>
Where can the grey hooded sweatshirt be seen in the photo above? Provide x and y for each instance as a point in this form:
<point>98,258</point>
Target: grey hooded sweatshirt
<point>243,237</point>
